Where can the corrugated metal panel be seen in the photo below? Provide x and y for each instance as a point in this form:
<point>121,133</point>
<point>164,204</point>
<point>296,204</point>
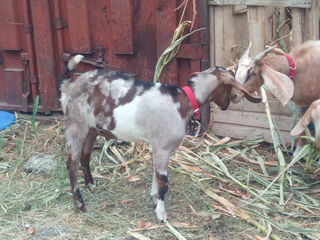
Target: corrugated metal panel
<point>9,13</point>
<point>45,52</point>
<point>37,36</point>
<point>79,26</point>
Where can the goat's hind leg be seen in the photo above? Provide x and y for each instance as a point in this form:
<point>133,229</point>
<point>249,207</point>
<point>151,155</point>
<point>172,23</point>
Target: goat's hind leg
<point>85,158</point>
<point>76,137</point>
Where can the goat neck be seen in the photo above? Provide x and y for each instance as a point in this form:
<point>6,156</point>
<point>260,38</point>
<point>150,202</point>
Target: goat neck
<point>277,63</point>
<point>203,84</point>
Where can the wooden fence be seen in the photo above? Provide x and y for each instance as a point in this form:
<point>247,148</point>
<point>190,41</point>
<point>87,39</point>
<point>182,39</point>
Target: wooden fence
<point>233,24</point>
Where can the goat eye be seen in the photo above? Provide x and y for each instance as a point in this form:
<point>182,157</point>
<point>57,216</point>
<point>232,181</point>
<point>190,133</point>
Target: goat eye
<point>248,75</point>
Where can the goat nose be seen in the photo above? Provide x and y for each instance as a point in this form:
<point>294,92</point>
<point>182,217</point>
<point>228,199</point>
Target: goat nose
<point>233,96</point>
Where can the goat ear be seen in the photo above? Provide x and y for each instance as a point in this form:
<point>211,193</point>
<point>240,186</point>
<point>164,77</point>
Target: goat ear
<point>278,83</point>
<point>248,96</point>
<point>302,123</point>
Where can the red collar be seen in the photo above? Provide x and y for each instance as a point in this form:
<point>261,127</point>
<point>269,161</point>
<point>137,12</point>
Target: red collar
<point>292,67</point>
<point>193,100</point>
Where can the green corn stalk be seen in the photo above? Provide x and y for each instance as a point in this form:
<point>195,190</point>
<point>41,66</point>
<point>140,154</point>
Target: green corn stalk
<point>313,154</point>
<point>173,48</point>
<point>276,144</point>
<point>34,112</point>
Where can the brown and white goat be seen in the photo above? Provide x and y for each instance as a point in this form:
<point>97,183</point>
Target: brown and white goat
<point>312,114</point>
<point>273,72</point>
<point>113,105</point>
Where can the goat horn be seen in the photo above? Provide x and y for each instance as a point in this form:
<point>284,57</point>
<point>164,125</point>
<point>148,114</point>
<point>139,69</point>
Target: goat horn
<point>261,55</point>
<point>249,96</point>
<point>246,53</point>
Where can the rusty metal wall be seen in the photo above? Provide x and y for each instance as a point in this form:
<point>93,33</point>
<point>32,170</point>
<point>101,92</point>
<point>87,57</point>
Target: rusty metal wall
<point>37,36</point>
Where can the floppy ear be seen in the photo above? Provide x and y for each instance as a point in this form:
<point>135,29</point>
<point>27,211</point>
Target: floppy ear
<point>249,96</point>
<point>278,83</point>
<point>302,123</point>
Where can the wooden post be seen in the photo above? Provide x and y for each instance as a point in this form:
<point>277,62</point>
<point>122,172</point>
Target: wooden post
<point>256,18</point>
<point>204,38</point>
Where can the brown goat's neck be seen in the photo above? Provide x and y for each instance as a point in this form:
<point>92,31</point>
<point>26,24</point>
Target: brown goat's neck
<point>278,63</point>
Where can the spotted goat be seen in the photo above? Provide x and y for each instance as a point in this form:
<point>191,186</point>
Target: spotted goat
<point>116,106</point>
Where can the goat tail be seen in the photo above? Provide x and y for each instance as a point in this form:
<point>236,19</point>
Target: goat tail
<point>65,84</point>
<point>74,61</point>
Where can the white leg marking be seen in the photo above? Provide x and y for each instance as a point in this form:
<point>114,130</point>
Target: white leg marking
<point>154,189</point>
<point>91,187</point>
<point>161,211</point>
<point>298,149</point>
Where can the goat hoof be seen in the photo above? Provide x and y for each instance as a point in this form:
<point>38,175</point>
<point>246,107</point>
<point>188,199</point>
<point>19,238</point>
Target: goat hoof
<point>91,187</point>
<point>161,212</point>
<point>296,152</point>
<point>80,207</point>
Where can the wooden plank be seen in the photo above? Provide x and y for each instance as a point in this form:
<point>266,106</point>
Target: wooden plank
<point>298,26</point>
<point>246,106</point>
<point>122,26</point>
<point>79,26</point>
<point>228,34</point>
<point>256,23</point>
<point>219,58</point>
<point>246,132</point>
<point>313,21</point>
<point>239,9</point>
<point>253,119</point>
<point>277,3</point>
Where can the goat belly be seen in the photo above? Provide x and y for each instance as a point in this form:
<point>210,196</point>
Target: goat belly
<point>149,117</point>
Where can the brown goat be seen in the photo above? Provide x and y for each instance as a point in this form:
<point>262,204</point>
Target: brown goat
<point>273,72</point>
<point>312,114</point>
<point>113,105</point>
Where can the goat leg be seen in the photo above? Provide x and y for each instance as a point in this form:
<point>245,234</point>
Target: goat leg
<point>85,159</point>
<point>72,167</point>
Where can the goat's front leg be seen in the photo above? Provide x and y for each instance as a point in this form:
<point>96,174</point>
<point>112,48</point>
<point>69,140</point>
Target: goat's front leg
<point>160,182</point>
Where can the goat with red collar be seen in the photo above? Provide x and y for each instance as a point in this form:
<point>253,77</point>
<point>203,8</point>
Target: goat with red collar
<point>113,105</point>
<point>294,76</point>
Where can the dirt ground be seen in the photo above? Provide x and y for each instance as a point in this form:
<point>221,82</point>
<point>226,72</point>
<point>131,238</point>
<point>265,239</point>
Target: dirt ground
<point>39,205</point>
